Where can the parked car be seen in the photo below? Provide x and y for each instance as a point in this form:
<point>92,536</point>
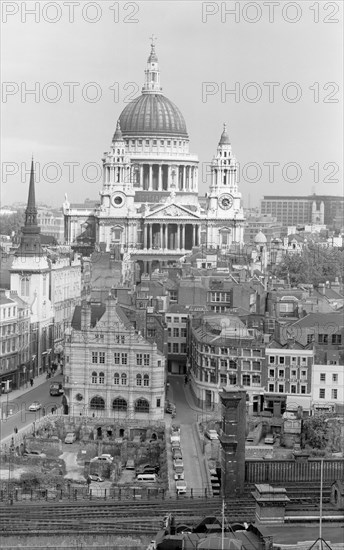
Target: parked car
<point>211,434</point>
<point>95,477</point>
<point>101,459</point>
<point>175,437</point>
<point>178,462</point>
<point>176,453</point>
<point>170,407</point>
<point>70,437</point>
<point>181,487</point>
<point>179,473</point>
<point>105,455</point>
<point>56,388</point>
<point>35,406</point>
<point>34,454</point>
<point>148,469</point>
<point>130,464</point>
<point>270,439</point>
<point>175,444</point>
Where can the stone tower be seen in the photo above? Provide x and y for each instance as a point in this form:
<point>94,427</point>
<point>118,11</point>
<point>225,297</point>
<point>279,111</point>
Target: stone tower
<point>232,439</point>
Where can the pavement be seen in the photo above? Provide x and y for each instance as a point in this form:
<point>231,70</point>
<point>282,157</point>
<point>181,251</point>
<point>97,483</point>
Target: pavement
<point>38,381</point>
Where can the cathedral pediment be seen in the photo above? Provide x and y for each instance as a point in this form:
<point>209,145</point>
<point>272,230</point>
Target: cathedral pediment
<point>172,211</point>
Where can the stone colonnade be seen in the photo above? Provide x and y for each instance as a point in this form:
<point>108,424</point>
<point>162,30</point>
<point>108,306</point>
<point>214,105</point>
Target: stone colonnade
<point>171,236</point>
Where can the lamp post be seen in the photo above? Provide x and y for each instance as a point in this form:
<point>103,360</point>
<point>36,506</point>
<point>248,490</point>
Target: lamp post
<point>11,450</point>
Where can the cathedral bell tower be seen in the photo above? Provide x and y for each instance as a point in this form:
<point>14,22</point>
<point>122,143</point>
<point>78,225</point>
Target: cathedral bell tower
<point>152,73</point>
<point>224,193</point>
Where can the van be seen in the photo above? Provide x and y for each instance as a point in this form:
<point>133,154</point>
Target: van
<point>146,477</point>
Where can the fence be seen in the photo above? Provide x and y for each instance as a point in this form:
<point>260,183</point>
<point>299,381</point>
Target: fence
<point>258,471</point>
<point>97,493</point>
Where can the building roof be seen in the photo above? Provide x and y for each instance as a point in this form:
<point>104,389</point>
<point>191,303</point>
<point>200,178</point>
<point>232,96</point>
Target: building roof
<point>316,320</point>
<point>152,115</point>
<point>97,311</point>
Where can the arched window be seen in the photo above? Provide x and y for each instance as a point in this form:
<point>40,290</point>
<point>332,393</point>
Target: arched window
<point>142,405</point>
<point>139,380</point>
<point>97,403</point>
<point>101,378</point>
<point>25,286</point>
<point>123,379</point>
<point>146,380</point>
<point>116,378</point>
<point>119,404</point>
<point>94,377</point>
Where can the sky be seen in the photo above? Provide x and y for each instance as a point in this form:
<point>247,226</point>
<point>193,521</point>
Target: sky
<point>85,60</point>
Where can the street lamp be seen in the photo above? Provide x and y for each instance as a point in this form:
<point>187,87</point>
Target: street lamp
<point>11,450</point>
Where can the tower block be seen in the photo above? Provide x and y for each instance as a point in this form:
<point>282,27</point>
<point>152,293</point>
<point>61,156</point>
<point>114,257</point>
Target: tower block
<point>232,439</point>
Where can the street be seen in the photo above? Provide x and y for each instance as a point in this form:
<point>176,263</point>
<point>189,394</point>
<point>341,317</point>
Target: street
<point>20,416</point>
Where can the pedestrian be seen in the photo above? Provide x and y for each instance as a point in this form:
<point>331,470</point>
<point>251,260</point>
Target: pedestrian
<point>186,380</point>
<point>31,382</point>
<point>15,429</point>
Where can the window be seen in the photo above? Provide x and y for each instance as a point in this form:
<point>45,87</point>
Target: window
<point>232,379</point>
<point>280,373</point>
<point>123,379</point>
<point>293,388</point>
<point>101,378</point>
<point>119,404</point>
<point>271,387</point>
<point>25,286</point>
<point>323,339</point>
<point>322,393</point>
<point>271,359</point>
<point>116,379</point>
<point>271,373</point>
<point>183,347</point>
<point>334,394</point>
<point>310,338</point>
<point>256,365</point>
<point>116,358</point>
<point>169,332</point>
<point>280,388</point>
<point>124,358</point>
<point>246,380</point>
<point>176,333</point>
<point>223,363</point>
<point>294,373</point>
<point>139,359</point>
<point>175,347</point>
<point>256,379</point>
<point>146,359</point>
<point>169,347</point>
<point>94,377</point>
<point>281,360</point>
<point>158,403</point>
<point>336,339</point>
<point>303,389</point>
<point>223,379</point>
<point>97,403</point>
<point>322,377</point>
<point>183,333</point>
<point>335,378</point>
<point>146,380</point>
<point>102,357</point>
<point>142,405</point>
<point>232,364</point>
<point>139,380</point>
<point>94,357</point>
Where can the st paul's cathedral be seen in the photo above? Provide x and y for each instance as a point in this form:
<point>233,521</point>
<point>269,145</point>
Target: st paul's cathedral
<point>149,212</point>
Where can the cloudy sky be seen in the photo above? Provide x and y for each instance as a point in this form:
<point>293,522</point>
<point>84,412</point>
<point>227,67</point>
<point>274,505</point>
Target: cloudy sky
<point>86,60</point>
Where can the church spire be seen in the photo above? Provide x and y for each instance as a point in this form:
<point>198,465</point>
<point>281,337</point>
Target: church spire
<point>224,140</point>
<point>152,72</point>
<point>30,242</point>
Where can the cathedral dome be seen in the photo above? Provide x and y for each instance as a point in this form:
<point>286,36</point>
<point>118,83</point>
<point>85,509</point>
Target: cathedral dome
<point>152,115</point>
<point>260,238</point>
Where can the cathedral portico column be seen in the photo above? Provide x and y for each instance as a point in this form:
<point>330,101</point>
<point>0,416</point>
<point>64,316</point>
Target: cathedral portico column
<point>178,237</point>
<point>141,176</point>
<point>193,235</point>
<point>160,178</point>
<point>150,235</point>
<point>184,178</point>
<point>150,188</point>
<point>145,236</point>
<point>183,236</point>
<point>161,236</point>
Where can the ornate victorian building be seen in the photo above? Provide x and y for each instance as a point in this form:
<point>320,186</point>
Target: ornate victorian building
<point>149,212</point>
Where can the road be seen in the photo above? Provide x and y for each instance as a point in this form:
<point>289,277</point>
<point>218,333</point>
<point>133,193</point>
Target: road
<point>176,394</point>
<point>21,417</point>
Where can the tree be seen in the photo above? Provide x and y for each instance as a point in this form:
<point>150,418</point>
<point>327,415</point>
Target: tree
<point>315,432</point>
<point>314,265</point>
<point>12,223</point>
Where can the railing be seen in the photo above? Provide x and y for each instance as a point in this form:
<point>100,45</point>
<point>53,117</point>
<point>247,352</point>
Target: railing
<point>258,471</point>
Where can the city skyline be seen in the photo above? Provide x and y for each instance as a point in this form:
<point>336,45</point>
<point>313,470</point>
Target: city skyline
<point>198,69</point>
